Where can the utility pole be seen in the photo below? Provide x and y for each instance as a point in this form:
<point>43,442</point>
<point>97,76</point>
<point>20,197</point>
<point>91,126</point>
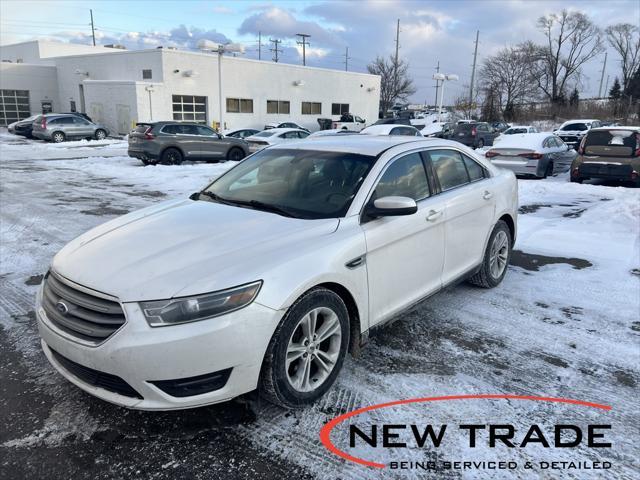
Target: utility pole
<point>473,70</point>
<point>606,86</point>
<point>275,49</point>
<point>437,84</point>
<point>304,43</point>
<point>604,66</point>
<point>346,59</point>
<point>259,45</point>
<point>93,30</point>
<point>395,61</point>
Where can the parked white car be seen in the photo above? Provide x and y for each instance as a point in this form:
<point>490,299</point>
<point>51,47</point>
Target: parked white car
<point>516,129</point>
<point>532,154</point>
<point>274,135</point>
<point>331,131</point>
<point>392,129</point>
<point>572,131</point>
<point>349,122</point>
<point>284,125</point>
<point>271,274</point>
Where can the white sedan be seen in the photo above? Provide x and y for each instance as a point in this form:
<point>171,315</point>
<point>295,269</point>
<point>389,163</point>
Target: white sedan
<point>274,135</point>
<point>532,154</point>
<point>392,129</point>
<point>516,129</point>
<point>270,275</point>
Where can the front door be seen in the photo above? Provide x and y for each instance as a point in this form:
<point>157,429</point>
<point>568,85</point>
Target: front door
<point>212,147</point>
<point>404,253</point>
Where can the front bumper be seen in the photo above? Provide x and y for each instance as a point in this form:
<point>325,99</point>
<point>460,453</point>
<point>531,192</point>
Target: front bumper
<point>139,354</point>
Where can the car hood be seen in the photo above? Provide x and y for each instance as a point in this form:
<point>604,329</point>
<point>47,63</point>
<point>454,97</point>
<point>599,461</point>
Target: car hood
<point>183,247</point>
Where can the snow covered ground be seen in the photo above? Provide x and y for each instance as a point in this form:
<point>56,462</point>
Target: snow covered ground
<point>564,323</point>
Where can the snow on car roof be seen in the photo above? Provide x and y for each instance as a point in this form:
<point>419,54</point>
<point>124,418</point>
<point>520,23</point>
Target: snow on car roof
<point>520,126</point>
<point>363,144</point>
<point>381,129</point>
<point>523,140</point>
<point>618,127</point>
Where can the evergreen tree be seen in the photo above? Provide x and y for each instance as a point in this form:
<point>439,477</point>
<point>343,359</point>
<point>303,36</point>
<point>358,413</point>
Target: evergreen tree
<point>616,90</point>
<point>574,99</point>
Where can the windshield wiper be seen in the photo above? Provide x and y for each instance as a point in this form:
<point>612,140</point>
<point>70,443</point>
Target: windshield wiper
<point>249,203</point>
<point>264,206</point>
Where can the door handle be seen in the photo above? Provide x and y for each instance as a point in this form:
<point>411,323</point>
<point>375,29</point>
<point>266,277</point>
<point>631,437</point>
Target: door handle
<point>434,215</point>
<point>487,195</point>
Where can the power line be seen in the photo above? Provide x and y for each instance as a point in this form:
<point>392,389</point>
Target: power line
<point>304,43</point>
<point>275,49</point>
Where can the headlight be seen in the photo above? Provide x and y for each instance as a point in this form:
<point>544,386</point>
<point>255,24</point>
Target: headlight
<point>160,313</point>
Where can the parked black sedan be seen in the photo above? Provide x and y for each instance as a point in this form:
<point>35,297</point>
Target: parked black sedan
<point>23,127</point>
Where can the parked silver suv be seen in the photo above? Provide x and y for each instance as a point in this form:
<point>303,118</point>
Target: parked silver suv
<point>58,127</point>
<point>172,142</point>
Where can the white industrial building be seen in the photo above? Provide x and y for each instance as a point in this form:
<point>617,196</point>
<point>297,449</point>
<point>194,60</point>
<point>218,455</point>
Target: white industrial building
<point>120,87</point>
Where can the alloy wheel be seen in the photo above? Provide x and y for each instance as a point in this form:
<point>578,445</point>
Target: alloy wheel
<point>313,349</point>
<point>58,137</point>
<point>499,254</point>
<point>100,135</point>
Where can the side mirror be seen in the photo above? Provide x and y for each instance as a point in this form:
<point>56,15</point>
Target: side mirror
<point>194,196</point>
<point>392,207</point>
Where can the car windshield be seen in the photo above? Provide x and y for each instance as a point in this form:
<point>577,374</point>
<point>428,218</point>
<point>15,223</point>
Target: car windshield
<point>266,133</point>
<point>512,131</point>
<point>298,183</point>
<point>579,127</point>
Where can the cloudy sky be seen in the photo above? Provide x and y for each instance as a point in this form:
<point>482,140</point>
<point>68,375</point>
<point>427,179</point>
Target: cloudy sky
<point>431,31</point>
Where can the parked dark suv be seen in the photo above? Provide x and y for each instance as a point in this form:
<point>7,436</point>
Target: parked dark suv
<point>475,135</point>
<point>610,153</point>
<point>172,142</point>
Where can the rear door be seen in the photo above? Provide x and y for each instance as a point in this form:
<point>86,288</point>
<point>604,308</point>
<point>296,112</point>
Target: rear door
<point>467,190</point>
<point>189,141</point>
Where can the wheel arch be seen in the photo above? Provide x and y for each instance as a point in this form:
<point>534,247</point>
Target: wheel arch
<point>176,147</point>
<point>508,219</point>
<point>352,310</point>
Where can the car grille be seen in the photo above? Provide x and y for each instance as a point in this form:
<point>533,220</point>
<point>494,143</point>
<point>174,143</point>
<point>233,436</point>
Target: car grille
<point>81,315</point>
<point>96,378</point>
<point>600,170</point>
<point>570,138</point>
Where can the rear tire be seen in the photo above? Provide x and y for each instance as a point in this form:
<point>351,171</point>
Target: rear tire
<point>292,375</point>
<point>58,137</point>
<point>171,156</point>
<point>236,154</point>
<point>496,258</point>
<point>100,134</point>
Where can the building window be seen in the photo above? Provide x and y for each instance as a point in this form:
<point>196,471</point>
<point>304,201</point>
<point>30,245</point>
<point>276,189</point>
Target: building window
<point>278,106</point>
<point>72,105</point>
<point>311,108</point>
<point>189,108</point>
<point>239,105</point>
<point>14,106</point>
<point>339,108</point>
<point>147,75</point>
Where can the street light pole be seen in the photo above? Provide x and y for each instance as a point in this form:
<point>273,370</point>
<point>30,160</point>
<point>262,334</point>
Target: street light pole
<point>442,77</point>
<point>149,89</point>
<point>220,55</point>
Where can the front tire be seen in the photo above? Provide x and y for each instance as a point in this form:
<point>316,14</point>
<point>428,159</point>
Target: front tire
<point>307,350</point>
<point>496,258</point>
<point>236,154</point>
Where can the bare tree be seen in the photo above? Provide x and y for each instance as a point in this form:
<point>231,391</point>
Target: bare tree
<point>625,39</point>
<point>395,83</point>
<point>509,77</point>
<point>572,40</point>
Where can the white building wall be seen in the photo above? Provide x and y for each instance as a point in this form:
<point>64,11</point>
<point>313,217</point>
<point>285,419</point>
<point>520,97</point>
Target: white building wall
<point>40,80</point>
<point>40,51</point>
<point>112,103</point>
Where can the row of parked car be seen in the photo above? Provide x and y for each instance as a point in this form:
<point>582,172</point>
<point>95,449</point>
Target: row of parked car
<point>59,127</point>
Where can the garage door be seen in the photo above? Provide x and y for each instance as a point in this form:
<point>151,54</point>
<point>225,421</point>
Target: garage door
<point>14,106</point>
<point>189,108</point>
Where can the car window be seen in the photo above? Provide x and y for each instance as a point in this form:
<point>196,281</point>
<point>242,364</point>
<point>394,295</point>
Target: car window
<point>575,127</point>
<point>303,134</point>
<point>188,130</point>
<point>474,169</point>
<point>405,177</point>
<point>449,168</point>
<point>306,183</point>
<point>483,127</point>
<point>205,131</point>
<point>80,121</point>
<point>62,121</point>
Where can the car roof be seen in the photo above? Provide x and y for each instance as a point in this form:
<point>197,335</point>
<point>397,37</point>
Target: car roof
<point>382,129</point>
<point>520,126</point>
<point>277,131</point>
<point>364,144</point>
<point>582,120</point>
<point>618,127</point>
